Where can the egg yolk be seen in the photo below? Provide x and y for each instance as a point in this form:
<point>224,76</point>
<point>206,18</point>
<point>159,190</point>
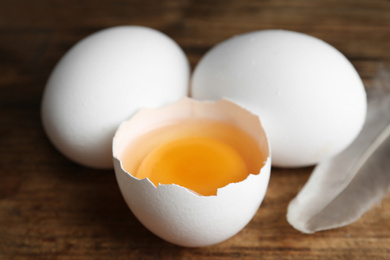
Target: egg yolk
<point>201,155</point>
<point>199,163</point>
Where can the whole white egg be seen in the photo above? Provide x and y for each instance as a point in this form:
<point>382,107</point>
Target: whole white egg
<point>311,99</point>
<point>103,80</point>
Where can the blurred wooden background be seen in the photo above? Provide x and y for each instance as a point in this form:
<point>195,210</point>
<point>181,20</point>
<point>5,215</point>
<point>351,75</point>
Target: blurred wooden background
<point>51,208</point>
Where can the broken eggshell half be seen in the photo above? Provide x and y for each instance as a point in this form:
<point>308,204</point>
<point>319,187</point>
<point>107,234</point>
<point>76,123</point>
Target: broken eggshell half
<point>176,213</point>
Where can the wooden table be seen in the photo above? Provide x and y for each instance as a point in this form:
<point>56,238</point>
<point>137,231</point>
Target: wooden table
<point>51,208</point>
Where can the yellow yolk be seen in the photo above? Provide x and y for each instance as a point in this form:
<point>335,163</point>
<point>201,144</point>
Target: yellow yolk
<point>201,155</point>
<point>200,164</point>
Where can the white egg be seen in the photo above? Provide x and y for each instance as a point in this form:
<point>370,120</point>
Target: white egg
<point>309,96</point>
<point>102,81</point>
<point>172,211</point>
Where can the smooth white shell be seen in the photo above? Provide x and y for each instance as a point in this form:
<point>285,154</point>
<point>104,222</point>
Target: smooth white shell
<point>103,80</point>
<point>310,98</point>
<point>176,214</point>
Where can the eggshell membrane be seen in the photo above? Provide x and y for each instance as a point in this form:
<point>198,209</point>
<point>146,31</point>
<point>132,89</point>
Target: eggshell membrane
<point>174,213</point>
<point>310,98</point>
<point>104,79</point>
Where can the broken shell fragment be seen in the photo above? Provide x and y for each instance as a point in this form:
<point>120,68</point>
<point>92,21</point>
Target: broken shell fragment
<point>194,173</point>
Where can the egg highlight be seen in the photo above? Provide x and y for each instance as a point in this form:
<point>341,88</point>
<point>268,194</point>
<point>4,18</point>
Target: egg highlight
<point>194,173</point>
<point>103,80</point>
<point>310,98</point>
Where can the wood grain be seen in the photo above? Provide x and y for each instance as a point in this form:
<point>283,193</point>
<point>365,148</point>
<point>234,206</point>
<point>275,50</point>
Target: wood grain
<point>51,208</point>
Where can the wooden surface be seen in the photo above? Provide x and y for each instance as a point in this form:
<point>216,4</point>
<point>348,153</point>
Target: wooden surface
<point>51,208</point>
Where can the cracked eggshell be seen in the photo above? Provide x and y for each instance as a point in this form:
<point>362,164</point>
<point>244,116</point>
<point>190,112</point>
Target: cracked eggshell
<point>104,79</point>
<point>310,98</point>
<point>176,214</point>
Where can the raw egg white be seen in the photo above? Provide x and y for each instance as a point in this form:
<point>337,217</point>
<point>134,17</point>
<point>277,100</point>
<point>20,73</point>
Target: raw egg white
<point>310,98</point>
<point>103,80</point>
<point>202,201</point>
